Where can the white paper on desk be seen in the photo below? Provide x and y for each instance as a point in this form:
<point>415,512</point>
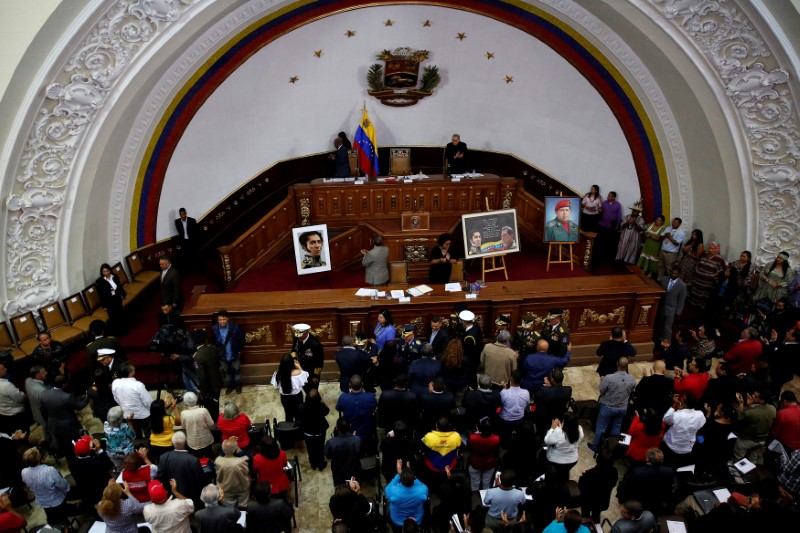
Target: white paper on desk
<point>744,466</point>
<point>366,292</point>
<point>404,299</point>
<point>472,296</point>
<point>777,447</point>
<point>397,294</point>
<point>381,294</point>
<point>624,439</point>
<point>453,178</point>
<point>452,287</point>
<point>676,527</point>
<point>722,494</point>
<point>687,468</point>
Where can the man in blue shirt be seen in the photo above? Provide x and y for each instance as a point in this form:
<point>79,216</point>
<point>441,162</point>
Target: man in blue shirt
<point>406,496</point>
<point>358,407</point>
<point>229,337</point>
<point>423,370</point>
<point>540,365</point>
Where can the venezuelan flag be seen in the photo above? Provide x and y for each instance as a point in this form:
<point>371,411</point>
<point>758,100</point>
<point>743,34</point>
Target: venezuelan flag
<point>366,144</point>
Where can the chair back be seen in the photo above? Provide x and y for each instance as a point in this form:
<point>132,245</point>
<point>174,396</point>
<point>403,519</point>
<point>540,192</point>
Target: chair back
<point>91,297</point>
<point>6,340</point>
<point>398,273</point>
<point>24,326</point>
<point>399,161</point>
<point>74,307</point>
<point>120,272</point>
<point>352,158</point>
<point>52,316</point>
<point>457,273</point>
<point>134,264</point>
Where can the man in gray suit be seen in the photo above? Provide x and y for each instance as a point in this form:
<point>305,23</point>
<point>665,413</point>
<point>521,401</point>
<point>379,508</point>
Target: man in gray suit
<point>671,303</point>
<point>375,261</point>
<point>34,385</point>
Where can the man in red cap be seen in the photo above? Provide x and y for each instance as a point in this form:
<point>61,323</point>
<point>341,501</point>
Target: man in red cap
<point>561,228</point>
<point>168,515</point>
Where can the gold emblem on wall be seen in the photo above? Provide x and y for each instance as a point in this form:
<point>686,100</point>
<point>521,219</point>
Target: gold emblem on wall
<point>264,332</point>
<point>618,314</point>
<point>414,253</point>
<point>539,321</point>
<point>644,314</point>
<point>398,83</point>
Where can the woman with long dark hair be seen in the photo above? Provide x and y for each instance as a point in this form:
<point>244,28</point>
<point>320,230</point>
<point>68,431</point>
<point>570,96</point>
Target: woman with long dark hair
<point>562,442</point>
<point>111,293</point>
<point>646,432</point>
<point>161,426</point>
<point>591,207</point>
<point>441,261</point>
<point>691,252</point>
<point>454,370</point>
<point>774,282</point>
<point>269,464</point>
<point>313,424</point>
<point>744,278</point>
<point>289,380</point>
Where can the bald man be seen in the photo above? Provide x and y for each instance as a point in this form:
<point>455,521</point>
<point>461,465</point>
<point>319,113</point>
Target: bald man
<point>540,365</point>
<point>654,390</point>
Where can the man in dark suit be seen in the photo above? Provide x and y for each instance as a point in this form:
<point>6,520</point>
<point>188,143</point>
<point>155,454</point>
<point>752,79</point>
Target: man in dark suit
<point>217,517</point>
<point>209,372</point>
<point>184,467</point>
<point>186,227</point>
<point>59,407</point>
<point>171,292</point>
<point>396,404</point>
<point>654,390</point>
<point>482,402</point>
<point>455,154</point>
<point>551,401</point>
<point>97,328</point>
<point>671,303</point>
<point>351,361</point>
<point>439,337</point>
<point>435,403</point>
<point>341,159</point>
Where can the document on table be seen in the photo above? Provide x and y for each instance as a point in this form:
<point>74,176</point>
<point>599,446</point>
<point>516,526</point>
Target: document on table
<point>397,294</point>
<point>452,287</point>
<point>366,292</point>
<point>419,290</point>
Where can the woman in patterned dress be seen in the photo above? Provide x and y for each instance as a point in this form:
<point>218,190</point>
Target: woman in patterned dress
<point>744,269</point>
<point>653,235</point>
<point>774,283</point>
<point>692,251</point>
<point>705,275</point>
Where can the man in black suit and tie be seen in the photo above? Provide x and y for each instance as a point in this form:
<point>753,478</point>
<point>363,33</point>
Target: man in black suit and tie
<point>551,401</point>
<point>186,227</point>
<point>439,337</point>
<point>341,159</point>
<point>171,293</point>
<point>184,467</point>
<point>671,303</point>
<point>455,154</point>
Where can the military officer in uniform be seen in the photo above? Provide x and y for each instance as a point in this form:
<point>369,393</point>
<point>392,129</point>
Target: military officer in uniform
<point>556,333</point>
<point>411,349</point>
<point>472,341</point>
<point>526,337</point>
<point>362,342</point>
<point>561,228</point>
<point>309,352</point>
<point>503,322</point>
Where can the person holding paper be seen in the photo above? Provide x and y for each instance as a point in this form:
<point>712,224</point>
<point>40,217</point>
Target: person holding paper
<point>752,427</point>
<point>455,154</point>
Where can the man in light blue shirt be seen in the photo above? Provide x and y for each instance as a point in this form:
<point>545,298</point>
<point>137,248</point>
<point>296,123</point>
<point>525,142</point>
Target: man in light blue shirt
<point>406,496</point>
<point>670,246</point>
<point>503,498</point>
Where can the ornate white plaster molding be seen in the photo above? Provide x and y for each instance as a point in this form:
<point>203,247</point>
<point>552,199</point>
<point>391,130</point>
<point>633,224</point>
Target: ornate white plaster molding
<point>757,85</point>
<point>161,95</point>
<point>71,102</point>
<point>645,85</point>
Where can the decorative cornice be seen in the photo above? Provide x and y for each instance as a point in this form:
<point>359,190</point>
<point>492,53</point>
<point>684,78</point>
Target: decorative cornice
<point>757,85</point>
<point>71,101</point>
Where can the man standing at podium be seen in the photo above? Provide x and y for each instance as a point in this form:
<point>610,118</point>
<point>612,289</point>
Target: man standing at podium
<point>340,159</point>
<point>455,154</point>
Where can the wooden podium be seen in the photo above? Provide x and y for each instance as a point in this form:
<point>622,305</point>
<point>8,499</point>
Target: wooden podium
<point>415,221</point>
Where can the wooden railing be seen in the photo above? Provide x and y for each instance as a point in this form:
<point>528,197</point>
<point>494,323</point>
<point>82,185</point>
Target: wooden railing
<point>261,242</point>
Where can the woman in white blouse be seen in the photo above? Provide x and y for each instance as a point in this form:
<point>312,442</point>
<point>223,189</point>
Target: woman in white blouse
<point>289,380</point>
<point>562,441</point>
<point>591,207</point>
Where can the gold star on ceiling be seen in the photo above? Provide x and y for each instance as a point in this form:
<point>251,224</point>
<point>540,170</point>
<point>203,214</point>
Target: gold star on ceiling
<point>294,79</point>
<point>350,33</point>
<point>461,36</point>
<point>426,24</point>
<point>509,79</point>
<point>388,22</point>
<point>489,55</point>
<point>317,53</point>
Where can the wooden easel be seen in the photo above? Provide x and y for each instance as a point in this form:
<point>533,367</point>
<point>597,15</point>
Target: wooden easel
<point>560,259</point>
<point>490,264</point>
